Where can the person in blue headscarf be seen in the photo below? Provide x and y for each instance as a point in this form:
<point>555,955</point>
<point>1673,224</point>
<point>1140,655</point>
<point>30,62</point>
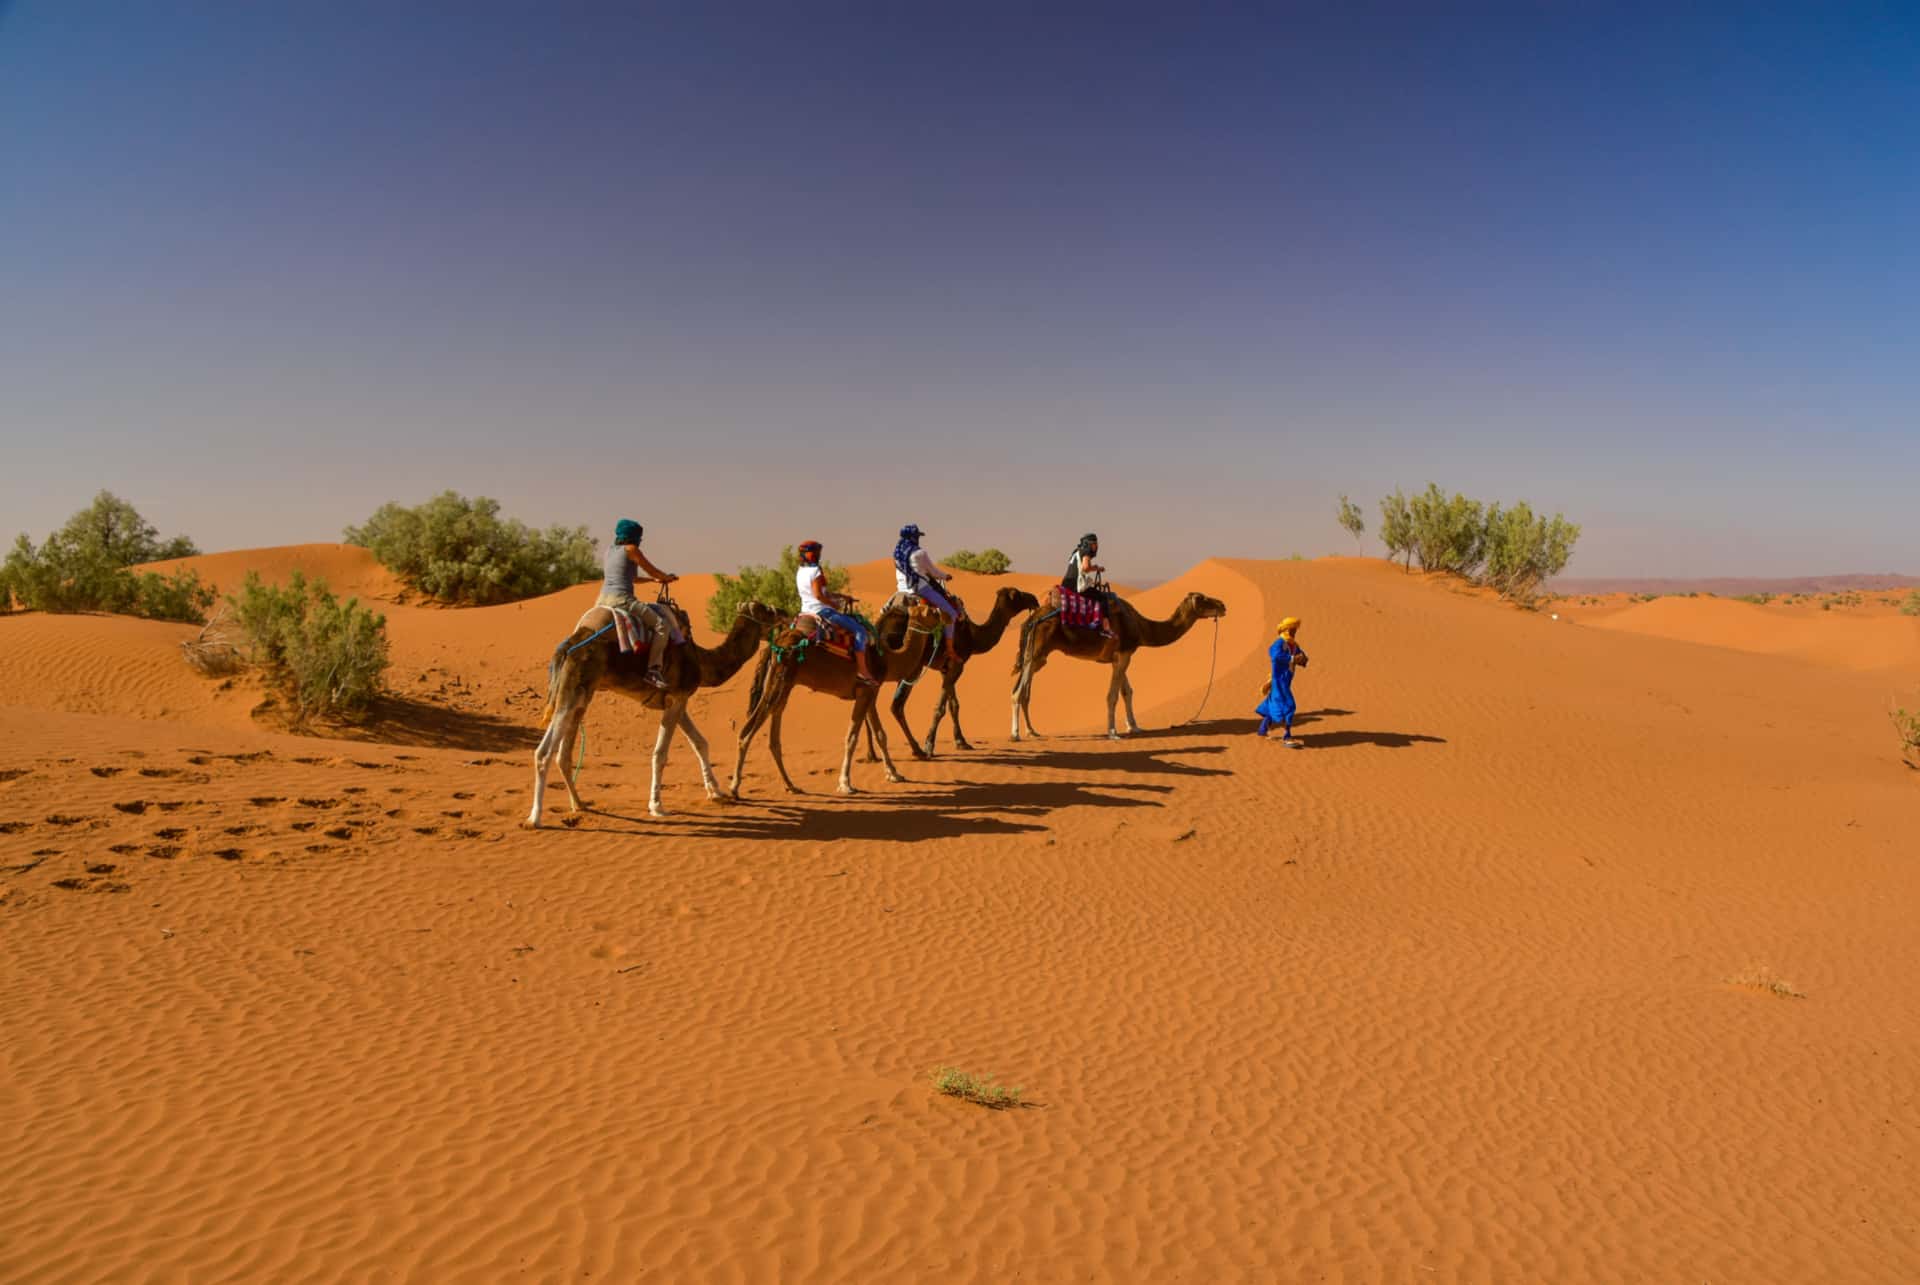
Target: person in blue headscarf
<point>1276,709</point>
<point>914,572</point>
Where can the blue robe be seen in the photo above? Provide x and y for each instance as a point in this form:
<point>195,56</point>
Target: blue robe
<point>1278,707</point>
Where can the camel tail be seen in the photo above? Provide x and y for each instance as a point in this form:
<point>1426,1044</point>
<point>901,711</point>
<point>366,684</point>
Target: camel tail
<point>760,672</point>
<point>1027,627</point>
<point>556,670</point>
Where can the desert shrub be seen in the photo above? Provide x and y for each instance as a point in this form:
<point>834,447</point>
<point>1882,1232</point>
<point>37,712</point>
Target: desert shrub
<point>461,550</point>
<point>774,586</point>
<point>1396,527</point>
<point>1906,726</point>
<point>87,565</point>
<point>328,656</point>
<point>987,562</point>
<point>1448,534</point>
<point>1352,522</point>
<point>977,1089</point>
<point>1910,605</point>
<point>1523,550</point>
<point>1757,599</point>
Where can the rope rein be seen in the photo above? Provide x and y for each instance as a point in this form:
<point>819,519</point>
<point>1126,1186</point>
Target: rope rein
<point>1210,669</point>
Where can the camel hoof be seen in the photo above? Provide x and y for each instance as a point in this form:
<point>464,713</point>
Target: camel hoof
<point>963,745</point>
<point>654,810</point>
<point>894,778</point>
<point>531,823</point>
<point>846,789</point>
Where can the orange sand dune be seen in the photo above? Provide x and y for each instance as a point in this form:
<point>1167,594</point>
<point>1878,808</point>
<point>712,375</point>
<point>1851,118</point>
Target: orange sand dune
<point>349,570</point>
<point>1872,640</point>
<point>1561,953</point>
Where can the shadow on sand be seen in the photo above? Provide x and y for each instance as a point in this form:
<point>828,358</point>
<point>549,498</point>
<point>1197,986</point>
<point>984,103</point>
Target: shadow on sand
<point>1153,762</point>
<point>1387,740</point>
<point>397,720</point>
<point>962,809</point>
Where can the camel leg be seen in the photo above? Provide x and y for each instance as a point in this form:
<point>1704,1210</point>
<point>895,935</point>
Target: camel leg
<point>933,730</point>
<point>873,755</point>
<point>542,759</point>
<point>952,695</point>
<point>1122,664</point>
<point>876,727</point>
<point>698,744</point>
<point>1022,696</point>
<point>775,693</point>
<point>662,742</point>
<point>779,756</point>
<point>569,770</point>
<point>1113,696</point>
<point>899,708</point>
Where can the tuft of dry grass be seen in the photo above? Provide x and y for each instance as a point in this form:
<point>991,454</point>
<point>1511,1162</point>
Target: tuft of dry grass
<point>212,652</point>
<point>977,1089</point>
<point>1759,977</point>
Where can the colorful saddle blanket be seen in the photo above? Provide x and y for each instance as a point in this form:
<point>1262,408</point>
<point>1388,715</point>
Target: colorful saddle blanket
<point>818,633</point>
<point>1079,611</point>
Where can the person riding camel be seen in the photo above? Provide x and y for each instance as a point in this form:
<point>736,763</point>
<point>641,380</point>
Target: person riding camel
<point>914,572</point>
<point>1088,579</point>
<point>622,562</point>
<point>824,604</point>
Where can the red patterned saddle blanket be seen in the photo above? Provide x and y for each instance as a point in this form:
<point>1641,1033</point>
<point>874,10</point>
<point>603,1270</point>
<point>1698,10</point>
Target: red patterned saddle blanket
<point>1078,610</point>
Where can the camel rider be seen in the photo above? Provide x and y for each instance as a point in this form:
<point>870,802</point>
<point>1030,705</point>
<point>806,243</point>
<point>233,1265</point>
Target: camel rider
<point>822,603</point>
<point>623,561</point>
<point>915,573</point>
<point>1088,578</point>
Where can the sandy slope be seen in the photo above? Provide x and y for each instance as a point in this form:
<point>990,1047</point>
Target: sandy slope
<point>1445,996</point>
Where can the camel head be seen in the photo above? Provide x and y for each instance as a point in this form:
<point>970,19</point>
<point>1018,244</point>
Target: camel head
<point>759,613</point>
<point>1011,600</point>
<point>1201,607</point>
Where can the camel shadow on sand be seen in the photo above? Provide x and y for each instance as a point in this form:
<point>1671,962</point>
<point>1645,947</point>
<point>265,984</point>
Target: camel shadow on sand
<point>398,720</point>
<point>1386,740</point>
<point>1143,762</point>
<point>963,809</point>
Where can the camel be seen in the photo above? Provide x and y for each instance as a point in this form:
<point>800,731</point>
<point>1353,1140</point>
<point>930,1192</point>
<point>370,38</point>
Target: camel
<point>1043,634</point>
<point>785,665</point>
<point>579,666</point>
<point>970,639</point>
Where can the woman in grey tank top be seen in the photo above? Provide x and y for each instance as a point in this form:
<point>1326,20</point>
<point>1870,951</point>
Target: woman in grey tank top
<point>623,563</point>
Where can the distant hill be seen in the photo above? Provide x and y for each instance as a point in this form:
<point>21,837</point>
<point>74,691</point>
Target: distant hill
<point>1732,586</point>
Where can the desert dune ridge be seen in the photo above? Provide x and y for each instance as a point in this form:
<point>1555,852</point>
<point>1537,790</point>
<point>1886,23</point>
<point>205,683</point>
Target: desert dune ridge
<point>1569,949</point>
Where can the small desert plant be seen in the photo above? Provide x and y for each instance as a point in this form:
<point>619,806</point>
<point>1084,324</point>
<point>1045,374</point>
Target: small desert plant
<point>980,1090</point>
<point>987,562</point>
<point>1910,605</point>
<point>212,652</point>
<point>1352,521</point>
<point>1759,977</point>
<point>775,586</point>
<point>87,565</point>
<point>328,656</point>
<point>461,550</point>
<point>1396,527</point>
<point>1906,726</point>
<point>1757,599</point>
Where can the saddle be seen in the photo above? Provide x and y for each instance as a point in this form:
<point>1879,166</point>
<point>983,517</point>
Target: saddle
<point>634,630</point>
<point>1076,610</point>
<point>818,633</point>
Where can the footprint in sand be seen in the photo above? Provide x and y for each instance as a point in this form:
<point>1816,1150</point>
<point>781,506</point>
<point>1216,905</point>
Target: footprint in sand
<point>90,883</point>
<point>229,854</point>
<point>102,868</point>
<point>319,803</point>
<point>15,773</point>
<point>13,827</point>
<point>164,851</point>
<point>304,826</point>
<point>61,818</point>
<point>171,832</point>
<point>267,800</point>
<point>241,831</point>
<point>124,849</point>
<point>310,762</point>
<point>104,772</point>
<point>353,789</point>
<point>171,806</point>
<point>338,832</point>
<point>463,794</point>
<point>201,760</point>
<point>133,807</point>
<point>159,771</point>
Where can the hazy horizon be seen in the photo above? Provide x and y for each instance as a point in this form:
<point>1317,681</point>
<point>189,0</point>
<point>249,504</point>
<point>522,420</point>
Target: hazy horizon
<point>753,274</point>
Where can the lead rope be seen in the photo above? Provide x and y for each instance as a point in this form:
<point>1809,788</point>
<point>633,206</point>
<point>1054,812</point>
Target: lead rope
<point>1210,667</point>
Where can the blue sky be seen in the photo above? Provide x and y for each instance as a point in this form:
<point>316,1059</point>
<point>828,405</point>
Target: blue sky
<point>1179,274</point>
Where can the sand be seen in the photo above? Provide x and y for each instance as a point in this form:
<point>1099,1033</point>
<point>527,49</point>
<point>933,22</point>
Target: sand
<point>1575,950</point>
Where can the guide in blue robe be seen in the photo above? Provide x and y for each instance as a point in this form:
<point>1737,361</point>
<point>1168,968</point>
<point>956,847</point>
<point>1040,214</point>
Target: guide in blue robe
<point>1277,709</point>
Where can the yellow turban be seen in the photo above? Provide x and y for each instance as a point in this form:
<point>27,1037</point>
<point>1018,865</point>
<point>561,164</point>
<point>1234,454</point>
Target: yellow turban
<point>1289,626</point>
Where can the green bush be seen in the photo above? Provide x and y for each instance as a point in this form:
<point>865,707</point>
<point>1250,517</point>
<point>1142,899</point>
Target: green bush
<point>87,566</point>
<point>987,562</point>
<point>1906,726</point>
<point>461,550</point>
<point>328,656</point>
<point>1522,550</point>
<point>775,586</point>
<point>1351,520</point>
<point>978,1089</point>
<point>1396,527</point>
<point>1448,534</point>
<point>1910,605</point>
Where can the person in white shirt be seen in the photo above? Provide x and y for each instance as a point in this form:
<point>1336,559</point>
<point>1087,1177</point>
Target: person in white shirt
<point>824,604</point>
<point>914,572</point>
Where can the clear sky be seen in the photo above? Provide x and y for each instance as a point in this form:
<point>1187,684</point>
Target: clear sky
<point>1179,273</point>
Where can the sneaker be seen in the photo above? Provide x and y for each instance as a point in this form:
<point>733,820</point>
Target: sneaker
<point>656,679</point>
